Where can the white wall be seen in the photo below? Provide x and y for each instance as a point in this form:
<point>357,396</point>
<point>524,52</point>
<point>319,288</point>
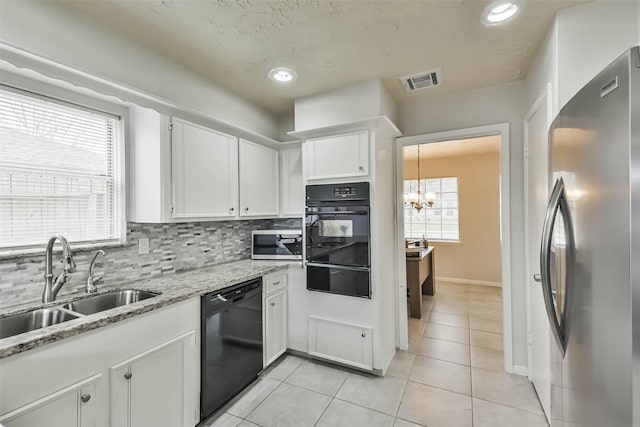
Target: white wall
<point>286,124</point>
<point>544,69</point>
<point>490,105</point>
<point>350,104</point>
<point>49,30</point>
<point>590,37</point>
<point>638,21</point>
<point>478,256</point>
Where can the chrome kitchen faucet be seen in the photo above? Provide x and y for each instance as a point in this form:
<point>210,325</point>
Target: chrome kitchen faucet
<point>51,286</point>
<point>92,282</point>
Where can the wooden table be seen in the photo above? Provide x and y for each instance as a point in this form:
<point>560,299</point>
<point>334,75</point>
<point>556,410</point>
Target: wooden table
<point>420,279</point>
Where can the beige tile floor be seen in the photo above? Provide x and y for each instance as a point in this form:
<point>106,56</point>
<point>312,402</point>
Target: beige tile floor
<point>452,375</point>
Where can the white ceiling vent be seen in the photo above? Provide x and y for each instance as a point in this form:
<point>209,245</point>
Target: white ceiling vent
<point>422,80</point>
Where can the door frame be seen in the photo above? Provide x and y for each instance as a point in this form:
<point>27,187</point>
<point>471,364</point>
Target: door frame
<point>501,129</point>
<point>544,97</point>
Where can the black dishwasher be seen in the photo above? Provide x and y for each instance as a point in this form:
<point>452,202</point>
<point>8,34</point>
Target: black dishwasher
<point>231,343</point>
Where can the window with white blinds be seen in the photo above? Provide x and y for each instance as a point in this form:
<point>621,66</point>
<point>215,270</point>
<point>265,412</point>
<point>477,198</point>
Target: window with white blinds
<point>439,222</point>
<point>60,172</point>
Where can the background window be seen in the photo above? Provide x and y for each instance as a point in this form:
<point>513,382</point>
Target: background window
<point>439,222</point>
<point>60,172</point>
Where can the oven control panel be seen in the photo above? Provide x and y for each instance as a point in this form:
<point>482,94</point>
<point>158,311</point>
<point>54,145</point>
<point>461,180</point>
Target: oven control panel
<point>344,191</point>
<point>318,195</point>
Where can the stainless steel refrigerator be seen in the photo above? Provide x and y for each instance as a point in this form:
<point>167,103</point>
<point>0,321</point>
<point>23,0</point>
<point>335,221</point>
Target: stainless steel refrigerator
<point>590,252</point>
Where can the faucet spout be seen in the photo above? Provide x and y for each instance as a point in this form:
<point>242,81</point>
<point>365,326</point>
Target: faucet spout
<point>92,281</point>
<point>51,289</point>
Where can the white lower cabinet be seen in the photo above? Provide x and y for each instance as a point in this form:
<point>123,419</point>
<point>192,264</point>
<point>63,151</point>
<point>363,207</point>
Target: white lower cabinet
<point>149,389</point>
<point>341,342</point>
<point>139,372</point>
<point>72,406</point>
<point>275,312</point>
<point>275,326</point>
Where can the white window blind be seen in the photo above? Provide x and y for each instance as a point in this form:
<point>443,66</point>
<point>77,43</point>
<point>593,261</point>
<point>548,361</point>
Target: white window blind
<point>60,172</point>
<point>439,222</point>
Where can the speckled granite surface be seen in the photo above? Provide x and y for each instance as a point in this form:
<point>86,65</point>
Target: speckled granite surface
<point>174,288</point>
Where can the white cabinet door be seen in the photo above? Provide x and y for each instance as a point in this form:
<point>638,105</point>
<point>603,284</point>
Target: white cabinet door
<point>338,156</point>
<point>341,342</point>
<point>292,193</point>
<point>153,388</point>
<point>204,172</point>
<point>258,180</point>
<point>74,406</point>
<point>298,309</point>
<point>275,327</point>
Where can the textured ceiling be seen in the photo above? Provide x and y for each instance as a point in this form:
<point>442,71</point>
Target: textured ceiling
<point>330,44</point>
<point>459,147</point>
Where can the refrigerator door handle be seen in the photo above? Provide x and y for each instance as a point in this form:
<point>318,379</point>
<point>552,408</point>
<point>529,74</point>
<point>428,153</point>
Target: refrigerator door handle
<point>557,202</point>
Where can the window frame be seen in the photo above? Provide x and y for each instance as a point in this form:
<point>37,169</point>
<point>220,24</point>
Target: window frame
<point>88,101</point>
<point>456,241</point>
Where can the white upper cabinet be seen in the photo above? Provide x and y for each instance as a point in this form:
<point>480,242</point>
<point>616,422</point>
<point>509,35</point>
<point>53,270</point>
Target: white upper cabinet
<point>204,171</point>
<point>292,189</point>
<point>338,156</point>
<point>182,171</point>
<point>258,180</point>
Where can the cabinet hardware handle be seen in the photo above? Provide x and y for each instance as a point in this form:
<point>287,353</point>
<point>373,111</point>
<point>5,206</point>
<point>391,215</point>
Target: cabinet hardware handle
<point>361,168</point>
<point>128,375</point>
<point>364,335</point>
<point>246,209</point>
<point>537,277</point>
<point>85,398</point>
<point>232,209</point>
<point>276,283</point>
<point>273,304</point>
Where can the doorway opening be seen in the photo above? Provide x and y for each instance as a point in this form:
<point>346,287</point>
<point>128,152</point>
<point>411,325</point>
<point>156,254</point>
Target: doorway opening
<point>454,244</point>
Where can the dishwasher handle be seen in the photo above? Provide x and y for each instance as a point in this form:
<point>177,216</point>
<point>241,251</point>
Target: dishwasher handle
<point>230,296</point>
<point>218,297</point>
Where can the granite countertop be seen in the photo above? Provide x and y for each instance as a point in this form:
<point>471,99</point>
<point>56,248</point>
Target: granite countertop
<point>423,253</point>
<point>174,288</point>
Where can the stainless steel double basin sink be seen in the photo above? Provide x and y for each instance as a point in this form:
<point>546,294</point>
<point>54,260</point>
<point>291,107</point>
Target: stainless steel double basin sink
<point>41,318</point>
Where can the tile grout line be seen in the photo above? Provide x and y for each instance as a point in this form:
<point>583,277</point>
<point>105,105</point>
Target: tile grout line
<point>404,390</point>
<point>260,403</point>
<point>470,369</point>
<point>332,399</point>
<point>275,388</point>
<point>541,413</point>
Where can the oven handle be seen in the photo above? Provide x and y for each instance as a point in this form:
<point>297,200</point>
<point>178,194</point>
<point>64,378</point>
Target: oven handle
<point>338,213</point>
<point>338,267</point>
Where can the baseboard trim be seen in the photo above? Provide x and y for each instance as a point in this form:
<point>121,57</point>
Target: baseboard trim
<point>469,281</point>
<point>520,370</point>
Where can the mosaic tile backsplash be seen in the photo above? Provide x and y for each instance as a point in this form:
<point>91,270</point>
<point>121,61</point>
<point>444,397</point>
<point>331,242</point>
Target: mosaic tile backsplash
<point>172,248</point>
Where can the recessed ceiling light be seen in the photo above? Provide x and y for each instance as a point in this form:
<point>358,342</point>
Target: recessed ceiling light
<point>282,74</point>
<point>499,12</point>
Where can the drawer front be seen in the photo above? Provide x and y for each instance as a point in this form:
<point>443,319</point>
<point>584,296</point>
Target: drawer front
<point>275,282</point>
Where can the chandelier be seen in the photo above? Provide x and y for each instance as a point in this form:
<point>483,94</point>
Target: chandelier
<point>418,200</point>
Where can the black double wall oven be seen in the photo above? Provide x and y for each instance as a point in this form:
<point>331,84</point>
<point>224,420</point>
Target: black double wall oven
<point>338,239</point>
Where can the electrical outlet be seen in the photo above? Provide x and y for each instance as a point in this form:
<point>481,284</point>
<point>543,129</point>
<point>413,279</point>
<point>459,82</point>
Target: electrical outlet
<point>143,246</point>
